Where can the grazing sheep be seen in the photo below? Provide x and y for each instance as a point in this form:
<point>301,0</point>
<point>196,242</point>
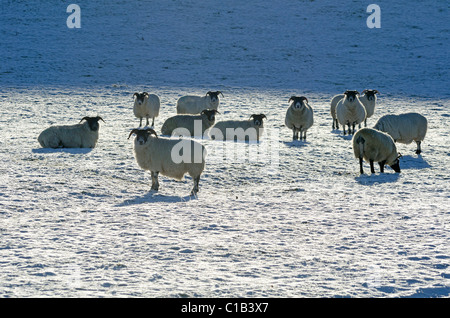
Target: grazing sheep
<point>404,128</point>
<point>369,100</point>
<point>195,104</point>
<point>146,106</point>
<point>350,111</point>
<point>189,125</point>
<point>82,135</point>
<point>375,146</point>
<point>299,116</point>
<point>334,102</point>
<point>162,155</point>
<point>250,129</point>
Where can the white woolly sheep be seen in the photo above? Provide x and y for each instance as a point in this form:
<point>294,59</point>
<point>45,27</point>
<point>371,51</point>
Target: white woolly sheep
<point>404,128</point>
<point>334,102</point>
<point>299,116</point>
<point>251,129</point>
<point>369,100</point>
<point>82,135</point>
<point>350,111</point>
<point>170,157</point>
<point>375,146</point>
<point>189,125</point>
<point>195,104</point>
<point>146,106</point>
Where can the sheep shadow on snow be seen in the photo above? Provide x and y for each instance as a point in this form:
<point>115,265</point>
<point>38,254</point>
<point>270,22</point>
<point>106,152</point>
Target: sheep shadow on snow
<point>376,178</point>
<point>153,196</point>
<point>73,151</point>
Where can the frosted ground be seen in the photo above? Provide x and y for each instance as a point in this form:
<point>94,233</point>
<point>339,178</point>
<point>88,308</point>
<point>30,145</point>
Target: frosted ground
<point>294,220</point>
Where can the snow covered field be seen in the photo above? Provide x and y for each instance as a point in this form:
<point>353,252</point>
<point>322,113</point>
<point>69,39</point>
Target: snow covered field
<point>294,220</point>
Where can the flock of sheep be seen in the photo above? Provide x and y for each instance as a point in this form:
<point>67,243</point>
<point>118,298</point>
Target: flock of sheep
<point>196,115</point>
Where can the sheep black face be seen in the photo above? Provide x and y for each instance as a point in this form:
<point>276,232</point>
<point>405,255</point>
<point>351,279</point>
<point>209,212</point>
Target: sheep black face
<point>214,95</point>
<point>297,101</point>
<point>140,97</point>
<point>258,119</point>
<point>210,114</point>
<point>370,93</point>
<point>93,122</point>
<point>142,135</point>
<point>396,165</point>
<point>351,95</point>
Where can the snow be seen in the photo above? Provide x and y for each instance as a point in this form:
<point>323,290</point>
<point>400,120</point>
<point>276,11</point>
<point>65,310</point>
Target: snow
<point>280,218</point>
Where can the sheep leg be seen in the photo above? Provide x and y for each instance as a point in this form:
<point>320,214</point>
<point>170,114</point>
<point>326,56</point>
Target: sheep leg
<point>153,122</point>
<point>382,163</point>
<point>140,122</point>
<point>195,188</point>
<point>372,169</point>
<point>334,127</point>
<point>295,136</point>
<point>344,129</point>
<point>365,123</point>
<point>361,171</point>
<point>155,183</point>
<point>147,121</point>
<point>418,150</point>
<point>337,124</point>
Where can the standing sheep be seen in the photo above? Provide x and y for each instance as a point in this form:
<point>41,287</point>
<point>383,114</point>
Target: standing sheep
<point>82,135</point>
<point>369,100</point>
<point>146,106</point>
<point>334,102</point>
<point>350,111</point>
<point>375,146</point>
<point>160,155</point>
<point>299,116</point>
<point>250,129</point>
<point>404,128</point>
<point>189,125</point>
<point>195,104</point>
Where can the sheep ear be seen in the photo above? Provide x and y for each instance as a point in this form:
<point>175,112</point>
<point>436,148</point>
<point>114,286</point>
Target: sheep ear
<point>132,132</point>
<point>99,118</point>
<point>145,93</point>
<point>135,94</point>
<point>84,118</point>
<point>357,93</point>
<point>376,92</point>
<point>304,98</point>
<point>263,116</point>
<point>208,93</point>
<point>219,92</point>
<point>151,132</point>
<point>216,111</point>
<point>291,98</point>
<point>364,91</point>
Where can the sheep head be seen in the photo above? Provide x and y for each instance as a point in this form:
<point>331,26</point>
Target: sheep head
<point>297,102</point>
<point>370,93</point>
<point>210,114</point>
<point>140,97</point>
<point>93,122</point>
<point>258,119</point>
<point>214,95</point>
<point>351,95</point>
<point>142,135</point>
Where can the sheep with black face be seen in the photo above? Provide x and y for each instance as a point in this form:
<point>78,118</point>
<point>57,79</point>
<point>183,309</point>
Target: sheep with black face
<point>146,106</point>
<point>189,125</point>
<point>369,100</point>
<point>191,104</point>
<point>242,130</point>
<point>350,111</point>
<point>162,155</point>
<point>81,135</point>
<point>299,117</point>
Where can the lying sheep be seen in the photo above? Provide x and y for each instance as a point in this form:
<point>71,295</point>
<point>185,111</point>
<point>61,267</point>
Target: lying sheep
<point>299,116</point>
<point>82,135</point>
<point>146,106</point>
<point>250,129</point>
<point>160,155</point>
<point>189,125</point>
<point>369,100</point>
<point>404,128</point>
<point>334,102</point>
<point>195,104</point>
<point>350,111</point>
<point>375,146</point>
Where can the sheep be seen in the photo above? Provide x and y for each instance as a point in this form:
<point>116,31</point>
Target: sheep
<point>146,105</point>
<point>250,129</point>
<point>299,116</point>
<point>334,102</point>
<point>375,146</point>
<point>369,100</point>
<point>404,128</point>
<point>350,111</point>
<point>189,125</point>
<point>162,155</point>
<point>195,104</point>
<point>81,135</point>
